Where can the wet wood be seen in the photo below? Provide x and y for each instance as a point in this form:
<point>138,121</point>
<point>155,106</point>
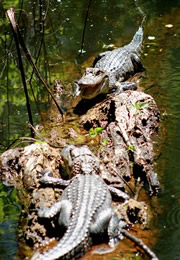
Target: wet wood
<point>130,121</point>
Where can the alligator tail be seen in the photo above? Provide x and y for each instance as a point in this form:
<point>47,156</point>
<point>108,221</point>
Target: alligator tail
<point>67,250</point>
<point>136,43</point>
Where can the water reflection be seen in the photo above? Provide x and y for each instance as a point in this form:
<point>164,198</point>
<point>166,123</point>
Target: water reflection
<point>167,94</point>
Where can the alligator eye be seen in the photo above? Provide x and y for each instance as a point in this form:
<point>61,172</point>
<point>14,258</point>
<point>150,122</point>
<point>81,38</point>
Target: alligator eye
<point>71,153</point>
<point>98,73</point>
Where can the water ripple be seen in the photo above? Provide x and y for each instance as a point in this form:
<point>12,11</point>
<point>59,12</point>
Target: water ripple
<point>173,216</point>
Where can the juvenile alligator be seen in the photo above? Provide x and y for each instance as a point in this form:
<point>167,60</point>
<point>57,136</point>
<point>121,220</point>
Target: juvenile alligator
<point>111,69</point>
<point>84,210</point>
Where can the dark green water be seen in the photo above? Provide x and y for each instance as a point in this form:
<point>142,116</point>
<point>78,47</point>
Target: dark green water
<point>9,214</point>
<point>60,41</point>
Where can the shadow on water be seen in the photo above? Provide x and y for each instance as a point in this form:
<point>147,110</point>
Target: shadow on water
<point>52,32</point>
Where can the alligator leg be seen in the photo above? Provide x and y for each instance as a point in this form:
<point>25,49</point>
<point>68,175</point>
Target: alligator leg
<point>101,221</point>
<point>65,214</point>
<point>108,219</point>
<point>137,63</point>
<point>63,206</point>
<point>118,193</point>
<point>48,179</point>
<point>116,224</point>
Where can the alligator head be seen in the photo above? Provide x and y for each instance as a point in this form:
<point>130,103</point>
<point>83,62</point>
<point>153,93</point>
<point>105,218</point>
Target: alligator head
<point>79,160</point>
<point>93,82</point>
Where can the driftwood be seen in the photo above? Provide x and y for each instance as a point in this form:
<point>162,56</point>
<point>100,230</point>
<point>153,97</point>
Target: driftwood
<point>129,120</point>
<point>24,165</point>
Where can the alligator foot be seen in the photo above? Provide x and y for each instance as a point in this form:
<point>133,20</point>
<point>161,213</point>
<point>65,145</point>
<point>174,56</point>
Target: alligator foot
<point>103,250</point>
<point>123,86</point>
<point>118,193</point>
<point>117,230</point>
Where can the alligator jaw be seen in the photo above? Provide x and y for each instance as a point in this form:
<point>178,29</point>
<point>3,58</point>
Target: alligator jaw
<point>93,82</point>
<point>88,92</point>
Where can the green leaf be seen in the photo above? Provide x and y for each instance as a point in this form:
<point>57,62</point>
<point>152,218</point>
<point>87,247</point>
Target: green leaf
<point>93,132</point>
<point>39,142</point>
<point>132,107</point>
<point>131,148</point>
<point>142,105</point>
<point>99,130</point>
<point>105,142</point>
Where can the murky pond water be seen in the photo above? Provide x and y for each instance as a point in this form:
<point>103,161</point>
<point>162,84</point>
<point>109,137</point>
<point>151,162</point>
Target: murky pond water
<point>55,30</point>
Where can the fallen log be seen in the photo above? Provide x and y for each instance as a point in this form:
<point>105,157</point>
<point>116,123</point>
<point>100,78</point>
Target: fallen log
<point>129,121</point>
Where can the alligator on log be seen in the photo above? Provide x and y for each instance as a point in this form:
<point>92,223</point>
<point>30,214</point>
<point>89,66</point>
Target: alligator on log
<point>139,117</point>
<point>84,208</point>
<point>85,211</point>
<point>111,69</point>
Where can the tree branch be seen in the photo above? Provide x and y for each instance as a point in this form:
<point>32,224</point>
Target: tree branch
<point>11,15</point>
<point>140,243</point>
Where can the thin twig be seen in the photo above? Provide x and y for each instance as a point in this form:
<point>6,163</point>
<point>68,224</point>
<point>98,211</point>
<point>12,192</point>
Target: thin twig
<point>11,15</point>
<point>140,243</point>
<point>124,134</point>
<point>27,139</point>
<point>20,140</point>
<point>37,57</point>
<point>42,138</point>
<point>84,29</point>
<point>7,86</point>
<point>11,144</point>
<point>127,184</point>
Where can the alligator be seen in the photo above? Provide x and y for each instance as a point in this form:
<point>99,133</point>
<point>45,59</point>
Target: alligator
<point>110,70</point>
<point>80,160</point>
<point>84,210</point>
